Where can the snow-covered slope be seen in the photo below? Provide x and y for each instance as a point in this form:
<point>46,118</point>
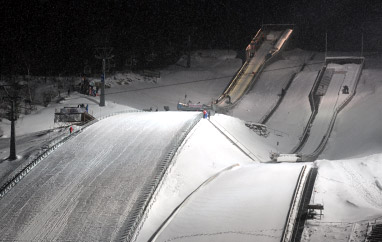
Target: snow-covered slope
<point>207,151</point>
<point>85,190</point>
<point>248,203</point>
<point>351,193</point>
<point>357,131</point>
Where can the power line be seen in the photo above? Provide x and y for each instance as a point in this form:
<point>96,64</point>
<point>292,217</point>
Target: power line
<point>203,80</point>
<point>289,67</point>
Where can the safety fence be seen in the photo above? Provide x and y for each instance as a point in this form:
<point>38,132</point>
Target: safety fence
<point>295,204</point>
<point>133,223</point>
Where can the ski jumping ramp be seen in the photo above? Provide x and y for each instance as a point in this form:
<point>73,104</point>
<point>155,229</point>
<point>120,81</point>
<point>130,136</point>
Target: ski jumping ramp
<point>273,41</point>
<point>330,98</point>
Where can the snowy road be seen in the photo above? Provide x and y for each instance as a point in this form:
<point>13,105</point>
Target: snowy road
<point>343,75</point>
<point>84,190</point>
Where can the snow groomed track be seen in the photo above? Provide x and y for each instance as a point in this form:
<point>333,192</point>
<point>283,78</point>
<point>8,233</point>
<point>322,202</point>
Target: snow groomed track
<point>252,68</point>
<point>86,189</point>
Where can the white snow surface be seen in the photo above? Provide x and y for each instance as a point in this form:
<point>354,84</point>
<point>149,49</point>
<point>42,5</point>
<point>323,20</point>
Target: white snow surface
<point>357,131</point>
<point>85,190</point>
<point>351,192</point>
<point>203,154</point>
<point>293,113</point>
<point>347,183</point>
<point>343,75</point>
<point>237,206</point>
<point>265,92</point>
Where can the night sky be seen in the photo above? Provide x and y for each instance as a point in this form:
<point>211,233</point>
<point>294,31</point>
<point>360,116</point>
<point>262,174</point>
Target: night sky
<point>57,37</point>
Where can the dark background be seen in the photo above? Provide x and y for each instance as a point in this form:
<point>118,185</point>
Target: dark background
<point>58,37</point>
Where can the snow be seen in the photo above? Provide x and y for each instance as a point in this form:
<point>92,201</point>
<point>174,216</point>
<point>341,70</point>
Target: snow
<point>294,111</point>
<point>357,131</point>
<point>265,92</point>
<point>86,196</point>
<point>204,153</point>
<point>43,117</point>
<point>236,206</point>
<point>351,192</point>
<point>344,75</point>
<point>253,67</point>
<point>204,81</point>
<point>85,189</point>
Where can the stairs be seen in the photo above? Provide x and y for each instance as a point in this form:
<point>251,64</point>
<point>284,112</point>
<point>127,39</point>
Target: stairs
<point>376,233</point>
<point>324,83</point>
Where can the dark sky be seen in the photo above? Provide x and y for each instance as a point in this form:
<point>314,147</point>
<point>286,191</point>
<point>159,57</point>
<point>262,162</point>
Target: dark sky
<point>58,36</point>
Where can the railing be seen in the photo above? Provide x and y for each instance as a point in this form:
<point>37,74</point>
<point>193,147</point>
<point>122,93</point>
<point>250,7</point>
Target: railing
<point>133,222</point>
<point>295,204</point>
<point>314,108</point>
<point>233,82</point>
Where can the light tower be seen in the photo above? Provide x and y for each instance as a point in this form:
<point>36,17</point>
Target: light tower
<point>103,53</point>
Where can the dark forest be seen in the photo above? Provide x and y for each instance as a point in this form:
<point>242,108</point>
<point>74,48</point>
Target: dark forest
<point>59,37</point>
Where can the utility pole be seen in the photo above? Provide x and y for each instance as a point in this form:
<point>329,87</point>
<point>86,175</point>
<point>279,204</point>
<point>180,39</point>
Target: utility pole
<point>13,117</point>
<point>189,51</point>
<point>12,147</point>
<point>103,53</point>
<point>326,44</point>
<point>362,46</point>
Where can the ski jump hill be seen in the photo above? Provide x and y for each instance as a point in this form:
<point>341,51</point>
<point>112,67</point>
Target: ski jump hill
<point>99,186</point>
<point>269,41</point>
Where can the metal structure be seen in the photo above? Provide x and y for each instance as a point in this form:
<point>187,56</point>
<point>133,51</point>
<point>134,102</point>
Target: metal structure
<point>103,53</point>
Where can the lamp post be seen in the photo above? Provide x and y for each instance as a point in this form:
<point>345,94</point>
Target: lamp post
<point>103,53</point>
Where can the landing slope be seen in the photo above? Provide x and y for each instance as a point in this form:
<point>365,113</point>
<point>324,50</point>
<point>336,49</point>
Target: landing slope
<point>86,188</point>
<point>237,206</point>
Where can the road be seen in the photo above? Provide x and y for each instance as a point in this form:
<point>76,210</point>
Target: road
<point>85,189</point>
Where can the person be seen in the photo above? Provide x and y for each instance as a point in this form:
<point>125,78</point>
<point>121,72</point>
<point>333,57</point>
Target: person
<point>68,91</point>
<point>345,90</point>
<point>204,113</point>
<point>71,129</point>
<point>87,108</point>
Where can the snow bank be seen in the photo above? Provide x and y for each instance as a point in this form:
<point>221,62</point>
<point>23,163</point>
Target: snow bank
<point>351,192</point>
